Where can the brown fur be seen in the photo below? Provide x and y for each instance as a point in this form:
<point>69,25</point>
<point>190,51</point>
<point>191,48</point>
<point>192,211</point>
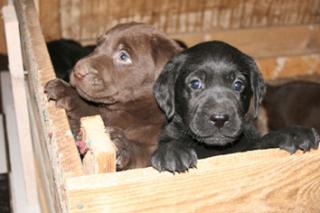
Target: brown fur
<point>120,92</point>
<point>293,103</point>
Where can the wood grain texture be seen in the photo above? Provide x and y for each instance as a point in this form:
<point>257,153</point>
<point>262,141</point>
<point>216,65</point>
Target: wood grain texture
<point>264,42</point>
<point>58,142</point>
<point>101,156</point>
<point>23,188</point>
<point>50,20</point>
<point>259,181</point>
<point>84,20</point>
<point>23,157</point>
<point>288,67</point>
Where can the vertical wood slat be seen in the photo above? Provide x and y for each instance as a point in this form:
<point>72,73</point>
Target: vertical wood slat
<point>21,150</point>
<point>23,187</point>
<point>58,142</point>
<point>101,156</point>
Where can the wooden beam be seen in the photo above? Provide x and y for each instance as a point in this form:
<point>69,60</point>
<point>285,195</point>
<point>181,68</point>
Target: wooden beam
<point>21,148</point>
<point>264,42</point>
<point>288,67</point>
<point>13,41</point>
<point>47,188</point>
<point>265,180</point>
<point>37,61</point>
<point>57,143</point>
<point>101,156</point>
<point>50,20</point>
<point>22,174</point>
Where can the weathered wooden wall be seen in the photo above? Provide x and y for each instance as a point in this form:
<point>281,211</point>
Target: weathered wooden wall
<point>85,20</point>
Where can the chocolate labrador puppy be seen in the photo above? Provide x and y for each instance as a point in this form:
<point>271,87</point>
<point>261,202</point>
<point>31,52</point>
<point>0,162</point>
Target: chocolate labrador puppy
<point>116,81</point>
<point>206,92</point>
<point>293,103</point>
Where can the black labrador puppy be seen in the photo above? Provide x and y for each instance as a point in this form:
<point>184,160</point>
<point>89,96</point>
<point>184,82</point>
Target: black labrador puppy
<point>210,94</point>
<point>64,54</point>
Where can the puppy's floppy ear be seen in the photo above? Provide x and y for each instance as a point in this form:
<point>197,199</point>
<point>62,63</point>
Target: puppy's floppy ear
<point>163,48</point>
<point>258,86</point>
<point>165,85</point>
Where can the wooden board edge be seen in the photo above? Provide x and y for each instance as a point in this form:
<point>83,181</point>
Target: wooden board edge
<point>40,70</point>
<point>268,180</point>
<point>101,154</point>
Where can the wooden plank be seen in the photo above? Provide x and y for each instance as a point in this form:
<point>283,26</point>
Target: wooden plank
<point>48,195</point>
<point>263,181</point>
<point>22,177</point>
<point>57,142</point>
<point>264,42</point>
<point>84,20</point>
<point>50,20</point>
<point>13,41</point>
<point>287,67</point>
<point>23,147</point>
<point>101,156</point>
<point>70,18</point>
<point>54,121</point>
<point>3,149</point>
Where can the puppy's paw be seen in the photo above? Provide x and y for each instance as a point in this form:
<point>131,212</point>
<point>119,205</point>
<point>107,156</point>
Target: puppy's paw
<point>56,89</point>
<point>60,92</point>
<point>122,148</point>
<point>174,158</point>
<point>295,138</point>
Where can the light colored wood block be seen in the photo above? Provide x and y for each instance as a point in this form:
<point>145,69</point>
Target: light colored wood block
<point>101,157</point>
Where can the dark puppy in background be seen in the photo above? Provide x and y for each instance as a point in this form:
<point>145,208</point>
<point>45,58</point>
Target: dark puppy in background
<point>205,92</point>
<point>293,103</point>
<point>64,54</point>
<point>116,81</point>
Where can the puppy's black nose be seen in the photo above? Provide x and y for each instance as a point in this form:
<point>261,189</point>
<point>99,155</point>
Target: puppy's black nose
<point>219,119</point>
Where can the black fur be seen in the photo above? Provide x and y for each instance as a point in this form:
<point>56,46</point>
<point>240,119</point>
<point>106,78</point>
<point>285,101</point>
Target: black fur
<point>64,54</point>
<point>205,92</point>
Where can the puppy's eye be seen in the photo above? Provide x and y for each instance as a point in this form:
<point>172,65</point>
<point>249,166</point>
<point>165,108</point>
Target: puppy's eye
<point>124,57</point>
<point>238,86</point>
<point>196,84</point>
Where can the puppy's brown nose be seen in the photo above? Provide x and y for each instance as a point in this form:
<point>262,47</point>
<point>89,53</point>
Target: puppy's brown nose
<point>82,69</point>
<point>219,119</point>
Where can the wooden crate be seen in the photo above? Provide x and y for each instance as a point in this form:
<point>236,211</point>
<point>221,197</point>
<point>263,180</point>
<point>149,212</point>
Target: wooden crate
<point>284,36</point>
